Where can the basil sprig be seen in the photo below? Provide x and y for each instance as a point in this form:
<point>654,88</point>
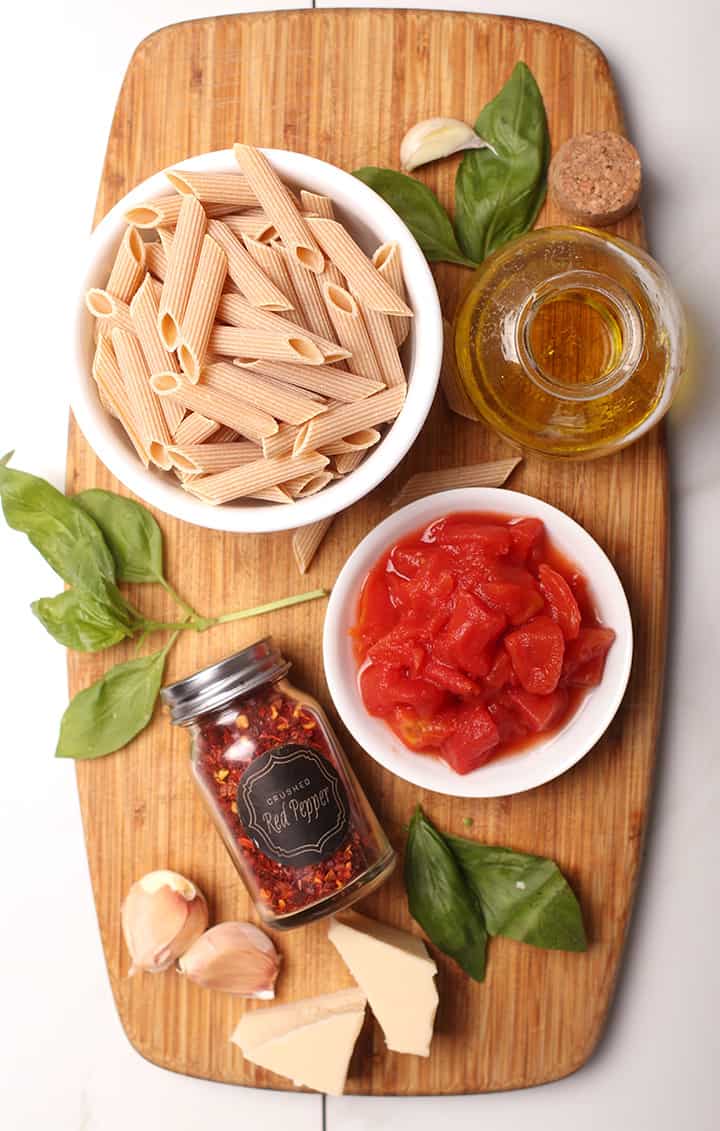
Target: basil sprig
<point>460,891</point>
<point>93,541</point>
<point>499,190</point>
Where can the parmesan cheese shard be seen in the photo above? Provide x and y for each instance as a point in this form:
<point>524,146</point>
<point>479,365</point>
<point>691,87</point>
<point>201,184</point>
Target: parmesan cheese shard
<point>310,1041</point>
<point>396,972</point>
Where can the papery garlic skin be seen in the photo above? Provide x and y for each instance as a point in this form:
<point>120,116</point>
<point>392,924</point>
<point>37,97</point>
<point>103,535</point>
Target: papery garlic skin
<point>434,138</point>
<point>235,957</point>
<point>163,914</point>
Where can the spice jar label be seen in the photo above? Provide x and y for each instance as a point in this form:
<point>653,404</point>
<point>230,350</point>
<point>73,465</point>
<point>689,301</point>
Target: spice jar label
<point>293,804</point>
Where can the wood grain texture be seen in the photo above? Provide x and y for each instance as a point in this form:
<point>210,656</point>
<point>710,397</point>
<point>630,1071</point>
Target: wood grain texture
<point>344,86</point>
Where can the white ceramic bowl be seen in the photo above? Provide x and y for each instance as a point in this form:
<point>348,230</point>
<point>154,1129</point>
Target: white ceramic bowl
<point>548,757</point>
<point>372,222</point>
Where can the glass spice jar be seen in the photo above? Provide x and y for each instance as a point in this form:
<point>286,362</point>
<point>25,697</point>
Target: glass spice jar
<point>279,788</point>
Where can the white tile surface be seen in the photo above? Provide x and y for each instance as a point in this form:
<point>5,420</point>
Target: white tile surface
<point>64,1062</point>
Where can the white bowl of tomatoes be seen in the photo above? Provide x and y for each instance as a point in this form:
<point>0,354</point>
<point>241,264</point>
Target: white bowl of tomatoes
<point>478,642</point>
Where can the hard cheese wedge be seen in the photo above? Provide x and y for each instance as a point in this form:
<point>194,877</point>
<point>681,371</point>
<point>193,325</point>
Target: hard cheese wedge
<point>309,1041</point>
<point>397,974</point>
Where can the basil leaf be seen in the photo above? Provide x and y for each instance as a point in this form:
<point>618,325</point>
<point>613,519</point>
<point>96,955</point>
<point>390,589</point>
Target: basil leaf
<point>421,210</point>
<point>523,897</point>
<point>83,621</point>
<point>67,537</point>
<point>108,714</point>
<point>440,900</point>
<point>499,191</point>
<point>131,532</point>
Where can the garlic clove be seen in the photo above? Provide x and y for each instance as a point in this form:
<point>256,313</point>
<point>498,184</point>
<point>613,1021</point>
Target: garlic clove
<point>161,917</point>
<point>235,957</point>
<point>435,138</point>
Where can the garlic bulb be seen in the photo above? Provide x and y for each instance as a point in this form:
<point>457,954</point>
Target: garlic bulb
<point>235,957</point>
<point>435,138</point>
<point>162,915</point>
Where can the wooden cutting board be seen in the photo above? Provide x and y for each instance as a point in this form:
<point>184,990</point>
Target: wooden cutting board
<point>344,86</point>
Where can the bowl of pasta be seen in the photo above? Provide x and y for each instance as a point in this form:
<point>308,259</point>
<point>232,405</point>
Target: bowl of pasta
<point>258,340</point>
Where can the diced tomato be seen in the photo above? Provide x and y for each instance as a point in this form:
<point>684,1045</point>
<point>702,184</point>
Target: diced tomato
<point>449,679</point>
<point>407,560</point>
<point>434,582</point>
<point>536,651</point>
<point>397,649</point>
<point>538,712</point>
<point>501,673</point>
<point>473,741</point>
<point>589,644</point>
<point>384,688</point>
<point>588,674</point>
<point>518,602</point>
<point>484,537</point>
<point>376,613</point>
<point>564,608</point>
<point>422,734</point>
<point>510,727</point>
<point>471,627</point>
<point>525,534</point>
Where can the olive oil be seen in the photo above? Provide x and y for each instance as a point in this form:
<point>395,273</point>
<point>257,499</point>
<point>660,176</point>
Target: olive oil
<point>570,342</point>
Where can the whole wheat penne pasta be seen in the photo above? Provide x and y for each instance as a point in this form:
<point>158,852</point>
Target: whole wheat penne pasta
<point>110,383</point>
<point>158,213</point>
<point>252,281</point>
<point>343,420</point>
<point>202,306</point>
<point>196,428</point>
<point>216,405</point>
<point>280,206</point>
<point>281,444</point>
<point>117,316</point>
<point>239,482</point>
<point>335,384</point>
<point>364,279</point>
<point>332,274</point>
<point>317,203</point>
<point>182,262</point>
<point>166,238</point>
<point>253,223</point>
<point>388,263</point>
<point>351,331</point>
<point>156,260</point>
<point>281,401</point>
<point>151,424</point>
<point>379,328</point>
<point>225,435</point>
<point>492,474</point>
<point>307,485</point>
<point>312,307</point>
<point>306,542</point>
<point>213,188</point>
<point>129,266</point>
<point>208,458</point>
<point>247,342</point>
<point>144,315</point>
<point>234,310</point>
<point>358,441</point>
<point>276,494</point>
<point>347,462</point>
<point>272,264</point>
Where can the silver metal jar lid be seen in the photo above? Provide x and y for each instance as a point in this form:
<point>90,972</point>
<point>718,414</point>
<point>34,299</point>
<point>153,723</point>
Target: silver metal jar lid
<point>222,682</point>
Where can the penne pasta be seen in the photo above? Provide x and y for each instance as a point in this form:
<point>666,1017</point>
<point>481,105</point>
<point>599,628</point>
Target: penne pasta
<point>253,223</point>
<point>156,260</point>
<point>285,403</point>
<point>225,435</point>
<point>306,485</point>
<point>388,263</point>
<point>353,443</point>
<point>202,306</point>
<point>239,482</point>
<point>217,405</point>
<point>280,207</point>
<point>365,280</point>
<point>335,384</point>
<point>351,331</point>
<point>236,312</point>
<point>272,495</point>
<point>311,305</point>
<point>110,312</point>
<point>347,462</point>
<point>244,271</point>
<point>110,384</point>
<point>213,188</point>
<point>282,442</point>
<point>318,204</point>
<point>273,266</point>
<point>128,269</point>
<point>182,262</point>
<point>196,428</point>
<point>147,414</point>
<point>208,458</point>
<point>342,421</point>
<point>492,474</point>
<point>158,213</point>
<point>247,342</point>
<point>144,316</point>
<point>306,542</point>
<point>379,328</point>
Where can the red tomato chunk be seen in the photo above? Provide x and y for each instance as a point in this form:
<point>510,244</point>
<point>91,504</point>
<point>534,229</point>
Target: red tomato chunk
<point>474,635</point>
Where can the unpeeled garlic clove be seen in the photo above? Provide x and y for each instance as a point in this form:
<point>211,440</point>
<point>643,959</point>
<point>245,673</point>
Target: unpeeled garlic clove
<point>161,917</point>
<point>235,957</point>
<point>435,138</point>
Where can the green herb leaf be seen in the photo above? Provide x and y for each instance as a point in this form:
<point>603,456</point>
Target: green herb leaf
<point>499,191</point>
<point>421,210</point>
<point>67,537</point>
<point>131,532</point>
<point>523,897</point>
<point>108,714</point>
<point>86,622</point>
<point>440,900</point>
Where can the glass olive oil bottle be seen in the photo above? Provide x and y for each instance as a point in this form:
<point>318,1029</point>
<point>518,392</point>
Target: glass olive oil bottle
<point>570,342</point>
